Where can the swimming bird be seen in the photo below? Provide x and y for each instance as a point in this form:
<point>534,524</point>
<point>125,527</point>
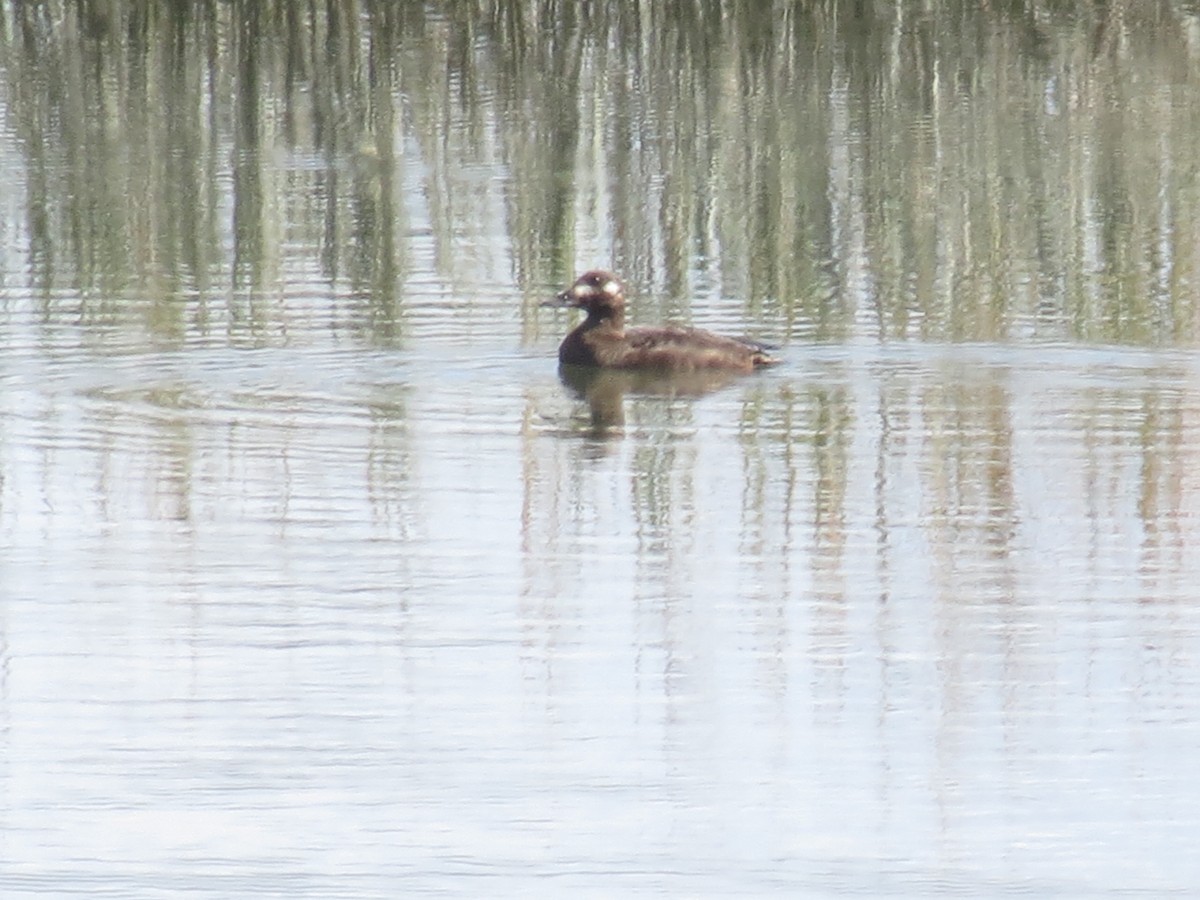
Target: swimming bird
<point>603,340</point>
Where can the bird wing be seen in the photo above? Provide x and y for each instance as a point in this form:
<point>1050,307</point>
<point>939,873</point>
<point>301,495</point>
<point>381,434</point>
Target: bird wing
<point>701,347</point>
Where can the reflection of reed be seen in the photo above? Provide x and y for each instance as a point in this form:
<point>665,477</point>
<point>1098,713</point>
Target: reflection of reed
<point>970,506</point>
<point>837,166</point>
<point>980,174</point>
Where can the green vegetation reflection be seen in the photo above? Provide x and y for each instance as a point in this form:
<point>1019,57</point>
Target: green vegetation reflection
<point>969,172</point>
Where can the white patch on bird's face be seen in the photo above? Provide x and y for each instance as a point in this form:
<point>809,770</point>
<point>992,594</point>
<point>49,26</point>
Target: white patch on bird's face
<point>611,288</point>
<point>579,291</point>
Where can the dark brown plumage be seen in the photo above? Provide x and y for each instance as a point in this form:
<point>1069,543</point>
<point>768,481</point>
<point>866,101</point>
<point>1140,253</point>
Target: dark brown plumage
<point>603,340</point>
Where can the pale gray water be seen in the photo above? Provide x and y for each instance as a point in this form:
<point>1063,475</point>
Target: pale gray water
<point>317,581</point>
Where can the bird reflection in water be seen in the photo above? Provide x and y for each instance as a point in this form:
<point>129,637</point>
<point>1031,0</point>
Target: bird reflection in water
<point>604,390</point>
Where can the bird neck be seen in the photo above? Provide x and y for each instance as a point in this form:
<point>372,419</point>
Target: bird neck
<point>611,319</point>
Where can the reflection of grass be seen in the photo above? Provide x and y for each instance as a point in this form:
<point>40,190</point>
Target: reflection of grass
<point>981,174</point>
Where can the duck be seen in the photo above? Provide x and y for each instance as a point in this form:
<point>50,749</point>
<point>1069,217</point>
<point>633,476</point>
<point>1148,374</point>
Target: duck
<point>603,341</point>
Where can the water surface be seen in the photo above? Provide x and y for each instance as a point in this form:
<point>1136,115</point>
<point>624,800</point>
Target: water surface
<point>318,580</point>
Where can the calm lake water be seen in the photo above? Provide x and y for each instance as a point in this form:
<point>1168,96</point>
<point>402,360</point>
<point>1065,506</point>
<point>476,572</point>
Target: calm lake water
<point>318,580</point>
